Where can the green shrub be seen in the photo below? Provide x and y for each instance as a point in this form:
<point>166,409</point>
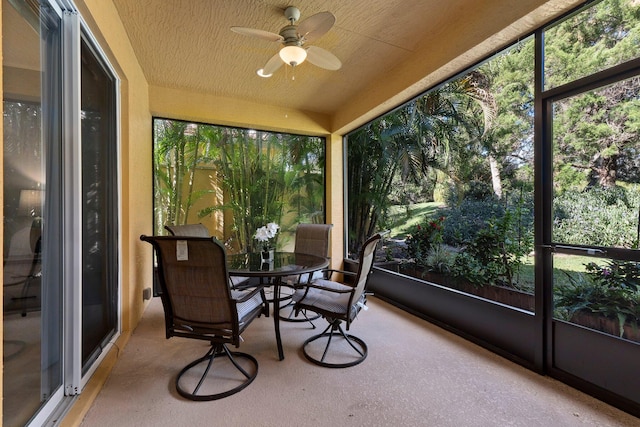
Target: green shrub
<point>422,237</point>
<point>495,254</point>
<point>479,190</point>
<point>439,259</point>
<point>467,218</point>
<point>471,215</point>
<point>612,290</point>
<point>597,216</point>
<point>624,275</point>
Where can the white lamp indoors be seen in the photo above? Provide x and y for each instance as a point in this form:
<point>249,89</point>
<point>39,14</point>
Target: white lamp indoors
<point>293,55</point>
<point>30,203</point>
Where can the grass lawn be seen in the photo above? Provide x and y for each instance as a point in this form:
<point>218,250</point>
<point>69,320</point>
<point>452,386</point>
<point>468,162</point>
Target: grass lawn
<point>561,263</point>
<point>403,217</point>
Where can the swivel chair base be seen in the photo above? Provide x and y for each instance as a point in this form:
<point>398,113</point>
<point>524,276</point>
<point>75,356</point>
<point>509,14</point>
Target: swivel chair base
<point>302,316</point>
<point>359,346</point>
<point>222,351</point>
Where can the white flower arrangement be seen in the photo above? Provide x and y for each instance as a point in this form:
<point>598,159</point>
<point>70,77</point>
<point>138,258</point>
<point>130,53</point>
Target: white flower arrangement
<point>266,233</point>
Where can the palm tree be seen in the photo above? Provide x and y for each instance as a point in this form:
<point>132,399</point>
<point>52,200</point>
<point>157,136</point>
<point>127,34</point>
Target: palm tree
<point>175,157</point>
<point>410,141</point>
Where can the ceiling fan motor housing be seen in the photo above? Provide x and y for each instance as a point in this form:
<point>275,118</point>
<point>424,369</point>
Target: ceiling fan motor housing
<point>290,36</point>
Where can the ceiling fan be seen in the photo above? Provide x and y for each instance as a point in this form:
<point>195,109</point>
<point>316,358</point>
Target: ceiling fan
<point>293,38</point>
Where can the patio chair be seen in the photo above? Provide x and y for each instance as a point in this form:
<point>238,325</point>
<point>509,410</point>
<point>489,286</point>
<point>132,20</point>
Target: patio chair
<point>338,302</point>
<point>23,267</point>
<point>188,230</point>
<point>199,304</point>
<point>312,239</point>
<point>200,230</point>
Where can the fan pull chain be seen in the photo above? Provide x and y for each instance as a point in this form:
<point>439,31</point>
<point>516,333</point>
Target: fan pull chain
<point>293,75</point>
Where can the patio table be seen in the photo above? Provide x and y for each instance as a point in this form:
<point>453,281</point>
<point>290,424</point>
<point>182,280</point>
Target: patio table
<point>283,264</point>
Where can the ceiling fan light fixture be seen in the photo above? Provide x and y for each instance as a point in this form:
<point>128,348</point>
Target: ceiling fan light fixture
<point>294,38</point>
<point>293,55</point>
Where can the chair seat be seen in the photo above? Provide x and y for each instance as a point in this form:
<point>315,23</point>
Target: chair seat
<point>238,280</point>
<point>324,300</point>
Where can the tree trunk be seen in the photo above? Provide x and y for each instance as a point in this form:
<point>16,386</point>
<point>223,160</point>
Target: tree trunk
<point>608,172</point>
<point>495,176</point>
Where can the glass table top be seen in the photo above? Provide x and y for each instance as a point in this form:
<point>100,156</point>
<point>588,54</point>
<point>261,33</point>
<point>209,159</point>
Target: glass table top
<point>283,263</point>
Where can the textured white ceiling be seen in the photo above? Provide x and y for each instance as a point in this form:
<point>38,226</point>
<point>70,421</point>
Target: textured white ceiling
<point>187,44</point>
<point>383,44</point>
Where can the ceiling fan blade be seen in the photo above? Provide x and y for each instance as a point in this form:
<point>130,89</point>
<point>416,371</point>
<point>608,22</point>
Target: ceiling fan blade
<point>261,34</point>
<point>272,65</point>
<point>316,25</point>
<point>323,58</point>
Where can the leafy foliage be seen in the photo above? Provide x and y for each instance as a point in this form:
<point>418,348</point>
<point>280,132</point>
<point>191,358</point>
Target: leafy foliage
<point>597,216</point>
<point>599,37</point>
<point>468,217</point>
<point>612,290</point>
<point>495,254</point>
<point>410,144</point>
<point>595,132</point>
<point>422,238</point>
<point>252,178</point>
<point>470,143</point>
<point>440,259</point>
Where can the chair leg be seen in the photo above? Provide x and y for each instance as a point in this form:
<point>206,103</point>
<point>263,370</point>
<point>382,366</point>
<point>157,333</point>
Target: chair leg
<point>209,358</point>
<point>24,296</point>
<point>334,329</point>
<point>294,317</point>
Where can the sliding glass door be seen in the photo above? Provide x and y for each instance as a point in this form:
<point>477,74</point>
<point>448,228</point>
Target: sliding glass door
<point>60,275</point>
<point>32,143</point>
<point>99,203</point>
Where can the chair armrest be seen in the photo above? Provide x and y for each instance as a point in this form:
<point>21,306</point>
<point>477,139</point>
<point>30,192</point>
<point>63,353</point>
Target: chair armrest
<point>329,273</point>
<point>344,272</point>
<point>249,295</point>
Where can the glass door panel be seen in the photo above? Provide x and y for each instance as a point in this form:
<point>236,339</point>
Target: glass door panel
<point>99,206</point>
<point>31,187</point>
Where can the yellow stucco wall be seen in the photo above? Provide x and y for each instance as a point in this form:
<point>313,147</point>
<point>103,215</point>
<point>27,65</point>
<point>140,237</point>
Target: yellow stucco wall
<point>200,107</point>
